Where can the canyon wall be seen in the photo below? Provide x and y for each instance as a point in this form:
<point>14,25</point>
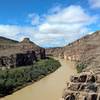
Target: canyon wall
<point>86,85</point>
<point>20,54</point>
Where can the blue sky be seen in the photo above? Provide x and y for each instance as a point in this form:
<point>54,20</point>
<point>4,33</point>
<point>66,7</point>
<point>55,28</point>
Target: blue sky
<point>49,23</point>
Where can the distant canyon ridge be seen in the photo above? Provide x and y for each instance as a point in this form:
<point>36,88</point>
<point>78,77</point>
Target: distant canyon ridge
<point>15,54</point>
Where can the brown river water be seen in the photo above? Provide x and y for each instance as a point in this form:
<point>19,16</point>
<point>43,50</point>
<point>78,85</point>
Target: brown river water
<point>49,88</point>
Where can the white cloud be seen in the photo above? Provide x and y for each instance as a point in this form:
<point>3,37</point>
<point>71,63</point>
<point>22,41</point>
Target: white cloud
<point>14,31</point>
<point>70,15</point>
<point>95,3</point>
<point>71,23</point>
<point>60,26</point>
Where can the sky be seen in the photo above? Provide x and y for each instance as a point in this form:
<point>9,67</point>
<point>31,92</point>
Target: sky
<point>49,23</point>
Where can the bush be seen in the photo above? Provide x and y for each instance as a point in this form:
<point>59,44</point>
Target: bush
<point>11,80</point>
<point>80,67</point>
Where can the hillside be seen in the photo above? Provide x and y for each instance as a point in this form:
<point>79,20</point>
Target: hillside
<point>14,54</point>
<point>85,50</point>
<point>86,53</point>
<point>4,40</point>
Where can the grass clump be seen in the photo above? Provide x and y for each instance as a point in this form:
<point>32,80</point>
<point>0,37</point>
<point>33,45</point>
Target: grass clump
<point>80,67</point>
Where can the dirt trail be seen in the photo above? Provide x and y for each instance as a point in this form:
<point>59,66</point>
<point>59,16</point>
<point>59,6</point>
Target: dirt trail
<point>49,88</point>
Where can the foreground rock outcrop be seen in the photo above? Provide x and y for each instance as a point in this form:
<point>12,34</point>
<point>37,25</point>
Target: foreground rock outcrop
<point>84,86</point>
<point>19,53</point>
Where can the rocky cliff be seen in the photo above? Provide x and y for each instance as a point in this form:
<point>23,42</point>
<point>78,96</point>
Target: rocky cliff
<point>86,85</point>
<point>55,52</point>
<point>22,53</point>
<point>85,51</point>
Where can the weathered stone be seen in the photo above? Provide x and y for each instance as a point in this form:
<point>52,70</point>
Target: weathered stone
<point>91,78</point>
<point>90,88</point>
<point>82,78</point>
<point>74,79</point>
<point>85,88</point>
<point>26,59</point>
<point>82,87</point>
<point>20,54</point>
<point>70,97</point>
<point>92,97</point>
<point>98,97</point>
<point>82,97</point>
<point>74,86</point>
<point>98,88</point>
<point>98,79</point>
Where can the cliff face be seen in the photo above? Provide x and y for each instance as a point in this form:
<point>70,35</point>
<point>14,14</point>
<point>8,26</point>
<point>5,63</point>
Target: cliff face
<point>86,85</point>
<point>19,53</point>
<point>55,52</point>
<point>86,49</point>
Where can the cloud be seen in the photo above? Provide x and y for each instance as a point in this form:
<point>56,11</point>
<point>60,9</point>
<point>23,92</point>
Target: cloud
<point>56,28</point>
<point>94,3</point>
<point>70,22</point>
<point>16,32</point>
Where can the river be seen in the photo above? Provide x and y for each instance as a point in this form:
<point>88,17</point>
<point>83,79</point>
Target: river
<point>49,88</point>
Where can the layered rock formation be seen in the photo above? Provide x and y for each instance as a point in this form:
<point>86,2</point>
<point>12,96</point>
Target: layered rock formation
<point>84,86</point>
<point>19,53</point>
<point>55,52</point>
<point>85,50</point>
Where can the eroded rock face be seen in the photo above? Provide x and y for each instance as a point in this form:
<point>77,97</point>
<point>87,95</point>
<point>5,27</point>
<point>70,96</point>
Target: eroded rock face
<point>84,86</point>
<point>20,54</point>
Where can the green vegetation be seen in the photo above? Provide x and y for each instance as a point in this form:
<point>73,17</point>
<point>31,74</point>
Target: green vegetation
<point>14,79</point>
<point>80,67</point>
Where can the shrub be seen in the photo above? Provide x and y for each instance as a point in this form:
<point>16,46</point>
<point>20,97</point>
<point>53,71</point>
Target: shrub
<point>12,79</point>
<point>80,67</point>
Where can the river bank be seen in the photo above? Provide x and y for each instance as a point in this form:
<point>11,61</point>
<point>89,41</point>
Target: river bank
<point>49,88</point>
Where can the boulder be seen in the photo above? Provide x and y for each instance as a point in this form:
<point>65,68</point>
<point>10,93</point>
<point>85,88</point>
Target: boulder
<point>92,97</point>
<point>91,78</point>
<point>74,86</point>
<point>90,88</point>
<point>70,97</point>
<point>82,78</point>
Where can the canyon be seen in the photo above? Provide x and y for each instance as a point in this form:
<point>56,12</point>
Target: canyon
<point>84,51</point>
